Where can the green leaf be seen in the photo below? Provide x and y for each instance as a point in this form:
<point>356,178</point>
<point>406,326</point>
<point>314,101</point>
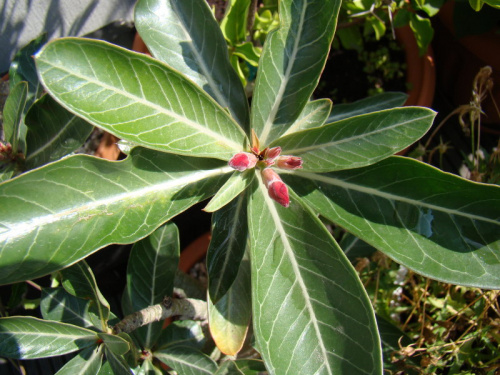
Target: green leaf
<point>6,172</point>
<point>59,305</point>
<point>227,246</point>
<point>229,317</point>
<point>79,281</point>
<point>56,215</point>
<point>182,333</point>
<point>385,100</point>
<point>437,224</point>
<point>150,275</point>
<point>13,114</point>
<point>116,344</point>
<point>422,28</point>
<point>248,52</point>
<point>234,23</point>
<point>23,68</point>
<point>106,369</point>
<point>53,132</point>
<point>185,35</point>
<point>241,366</point>
<point>137,98</point>
<point>117,363</point>
<point>311,313</point>
<point>87,362</point>
<point>30,338</point>
<point>314,114</point>
<point>186,360</point>
<point>230,190</point>
<point>148,368</point>
<point>357,141</point>
<point>291,63</point>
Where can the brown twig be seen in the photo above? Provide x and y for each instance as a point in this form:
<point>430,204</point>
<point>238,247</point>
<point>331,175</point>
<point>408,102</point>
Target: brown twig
<point>187,309</point>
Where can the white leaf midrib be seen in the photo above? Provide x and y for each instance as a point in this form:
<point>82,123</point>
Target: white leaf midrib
<point>137,99</point>
<point>297,272</point>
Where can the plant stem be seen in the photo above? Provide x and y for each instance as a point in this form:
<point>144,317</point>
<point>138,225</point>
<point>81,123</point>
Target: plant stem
<point>187,309</point>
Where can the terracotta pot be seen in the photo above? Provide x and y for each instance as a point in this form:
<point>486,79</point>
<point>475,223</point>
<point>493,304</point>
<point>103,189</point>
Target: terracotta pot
<point>420,72</point>
<point>194,252</point>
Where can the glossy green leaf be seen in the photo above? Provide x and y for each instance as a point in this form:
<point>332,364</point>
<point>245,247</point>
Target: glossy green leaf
<point>148,368</point>
<point>229,317</point>
<point>227,246</point>
<point>53,132</point>
<point>114,343</point>
<point>6,172</point>
<point>248,52</point>
<point>234,23</point>
<point>185,35</point>
<point>186,360</point>
<point>150,275</point>
<point>23,68</point>
<point>137,98</point>
<point>385,100</point>
<point>106,369</point>
<point>358,141</point>
<point>241,366</point>
<point>59,305</point>
<point>79,280</point>
<point>230,190</point>
<point>87,362</point>
<point>311,313</point>
<point>291,63</point>
<point>29,338</point>
<point>56,215</point>
<point>117,363</point>
<point>423,31</point>
<point>314,114</point>
<point>435,223</point>
<point>13,113</point>
<point>182,333</point>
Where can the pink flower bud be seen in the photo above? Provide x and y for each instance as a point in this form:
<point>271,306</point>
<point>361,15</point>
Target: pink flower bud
<point>276,189</point>
<point>273,153</point>
<point>289,162</point>
<point>243,160</point>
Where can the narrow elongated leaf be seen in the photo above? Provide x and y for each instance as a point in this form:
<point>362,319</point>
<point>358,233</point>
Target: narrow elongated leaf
<point>150,275</point>
<point>385,100</point>
<point>314,114</point>
<point>358,141</point>
<point>23,68</point>
<point>229,318</point>
<point>437,224</point>
<point>185,35</point>
<point>117,363</point>
<point>227,246</point>
<point>234,23</point>
<point>87,362</point>
<point>291,63</point>
<point>137,98</point>
<point>186,360</point>
<point>29,338</point>
<point>230,190</point>
<point>148,368</point>
<point>311,314</point>
<point>53,216</point>
<point>79,280</point>
<point>13,113</point>
<point>59,305</point>
<point>53,132</point>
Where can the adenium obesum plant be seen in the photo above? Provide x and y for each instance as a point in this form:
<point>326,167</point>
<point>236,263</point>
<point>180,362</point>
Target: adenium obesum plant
<point>276,174</point>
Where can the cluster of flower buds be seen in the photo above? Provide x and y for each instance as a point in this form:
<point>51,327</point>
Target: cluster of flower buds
<point>265,159</point>
<point>5,151</point>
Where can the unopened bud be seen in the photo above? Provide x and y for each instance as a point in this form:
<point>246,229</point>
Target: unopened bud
<point>276,188</point>
<point>289,162</point>
<point>243,160</point>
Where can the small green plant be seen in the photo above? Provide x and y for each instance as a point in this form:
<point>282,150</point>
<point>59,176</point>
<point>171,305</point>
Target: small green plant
<point>274,173</point>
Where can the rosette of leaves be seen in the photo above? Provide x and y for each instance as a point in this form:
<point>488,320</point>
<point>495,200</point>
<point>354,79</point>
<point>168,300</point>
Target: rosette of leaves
<point>186,111</point>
